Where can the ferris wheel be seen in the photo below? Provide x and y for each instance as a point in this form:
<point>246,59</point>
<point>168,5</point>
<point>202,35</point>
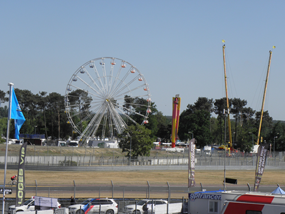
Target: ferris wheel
<point>104,95</point>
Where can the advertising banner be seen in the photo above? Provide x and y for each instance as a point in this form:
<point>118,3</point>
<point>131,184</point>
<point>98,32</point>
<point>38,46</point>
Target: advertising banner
<point>20,191</point>
<point>45,203</point>
<point>191,164</point>
<point>260,164</point>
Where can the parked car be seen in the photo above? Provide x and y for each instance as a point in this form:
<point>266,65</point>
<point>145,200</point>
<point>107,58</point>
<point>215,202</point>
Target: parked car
<point>104,205</point>
<point>28,205</point>
<point>138,208</point>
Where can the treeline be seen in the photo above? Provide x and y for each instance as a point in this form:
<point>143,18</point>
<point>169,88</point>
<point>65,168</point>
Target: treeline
<point>204,120</point>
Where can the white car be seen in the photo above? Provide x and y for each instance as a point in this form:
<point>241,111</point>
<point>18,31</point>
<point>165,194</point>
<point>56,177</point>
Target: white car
<point>28,205</point>
<point>138,209</point>
<point>95,205</point>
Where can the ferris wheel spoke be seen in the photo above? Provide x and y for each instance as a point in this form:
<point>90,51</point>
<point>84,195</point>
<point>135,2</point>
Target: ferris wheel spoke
<point>80,112</point>
<point>93,121</point>
<point>113,117</point>
<point>111,76</point>
<point>110,124</point>
<point>118,120</point>
<point>78,88</point>
<point>104,76</point>
<point>98,77</point>
<point>132,111</point>
<point>120,83</point>
<point>94,82</point>
<point>97,124</point>
<point>116,79</point>
<point>125,86</point>
<point>104,126</point>
<point>131,119</point>
<point>130,90</point>
<point>88,85</point>
<point>96,107</point>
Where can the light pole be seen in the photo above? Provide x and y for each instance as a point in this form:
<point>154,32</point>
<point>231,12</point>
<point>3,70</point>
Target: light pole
<point>130,147</point>
<point>191,133</point>
<point>274,145</point>
<point>35,129</point>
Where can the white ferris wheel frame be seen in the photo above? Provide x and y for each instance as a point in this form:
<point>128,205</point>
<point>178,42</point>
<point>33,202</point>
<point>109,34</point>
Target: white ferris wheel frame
<point>104,88</point>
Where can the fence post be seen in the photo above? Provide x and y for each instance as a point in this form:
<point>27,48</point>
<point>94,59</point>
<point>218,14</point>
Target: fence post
<point>152,207</point>
<point>74,188</point>
<point>36,187</point>
<point>112,189</point>
<point>148,188</point>
<point>136,206</point>
<point>168,197</point>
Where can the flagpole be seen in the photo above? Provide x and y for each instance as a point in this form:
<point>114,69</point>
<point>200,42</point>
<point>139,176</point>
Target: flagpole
<point>7,141</point>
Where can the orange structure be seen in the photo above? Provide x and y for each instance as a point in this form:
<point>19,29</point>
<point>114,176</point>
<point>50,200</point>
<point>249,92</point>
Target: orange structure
<point>175,118</point>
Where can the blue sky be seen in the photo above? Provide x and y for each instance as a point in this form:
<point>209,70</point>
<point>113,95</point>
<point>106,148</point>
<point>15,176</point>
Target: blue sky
<point>176,45</point>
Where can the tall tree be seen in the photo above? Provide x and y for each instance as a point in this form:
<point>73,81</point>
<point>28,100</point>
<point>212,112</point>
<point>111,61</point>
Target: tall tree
<point>56,106</point>
<point>220,106</point>
<point>237,109</point>
<point>41,102</point>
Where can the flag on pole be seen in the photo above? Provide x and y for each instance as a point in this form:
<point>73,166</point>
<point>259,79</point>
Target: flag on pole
<point>16,114</point>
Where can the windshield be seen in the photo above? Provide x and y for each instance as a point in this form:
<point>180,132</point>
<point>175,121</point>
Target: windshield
<point>86,201</point>
<point>73,144</point>
<point>28,201</point>
<point>62,144</point>
<point>141,202</point>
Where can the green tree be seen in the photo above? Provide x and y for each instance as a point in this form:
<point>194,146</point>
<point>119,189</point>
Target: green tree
<point>56,108</point>
<point>220,105</point>
<point>237,109</point>
<point>267,125</point>
<point>3,97</point>
<point>4,111</point>
<point>164,127</point>
<point>136,109</point>
<point>3,126</point>
<point>138,139</point>
<point>244,140</point>
<point>198,123</point>
<point>80,104</point>
<point>277,133</point>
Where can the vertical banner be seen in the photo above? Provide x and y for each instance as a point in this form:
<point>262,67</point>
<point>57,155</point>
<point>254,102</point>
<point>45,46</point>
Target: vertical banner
<point>260,164</point>
<point>20,193</point>
<point>191,163</point>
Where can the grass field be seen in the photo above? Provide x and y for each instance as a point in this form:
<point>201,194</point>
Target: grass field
<point>136,178</point>
<point>270,177</point>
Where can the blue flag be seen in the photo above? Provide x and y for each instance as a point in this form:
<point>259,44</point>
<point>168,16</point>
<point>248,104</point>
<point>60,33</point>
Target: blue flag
<point>16,114</point>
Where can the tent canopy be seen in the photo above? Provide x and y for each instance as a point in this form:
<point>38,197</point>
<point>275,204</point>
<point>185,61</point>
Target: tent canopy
<point>278,190</point>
